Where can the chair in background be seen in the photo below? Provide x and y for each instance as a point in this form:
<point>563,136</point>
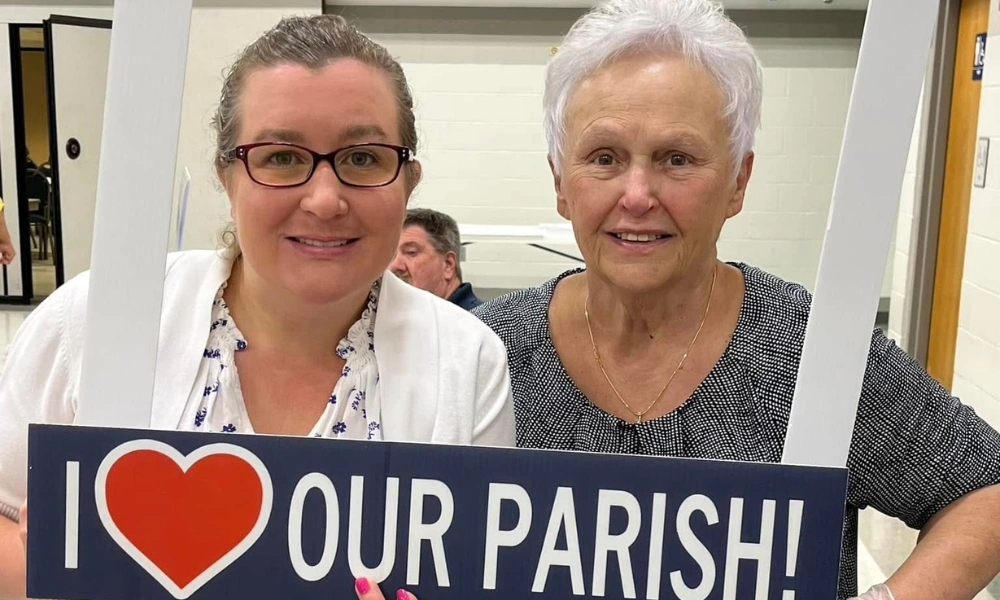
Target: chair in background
<point>37,186</point>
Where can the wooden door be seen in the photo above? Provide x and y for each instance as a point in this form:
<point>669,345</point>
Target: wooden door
<point>973,19</point>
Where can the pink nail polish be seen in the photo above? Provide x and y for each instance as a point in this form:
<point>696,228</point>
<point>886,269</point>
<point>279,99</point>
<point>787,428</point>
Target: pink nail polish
<point>402,595</point>
<point>361,584</point>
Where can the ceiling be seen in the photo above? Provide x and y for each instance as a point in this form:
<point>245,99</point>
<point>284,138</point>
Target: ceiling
<point>201,3</point>
<point>67,2</point>
<point>730,4</point>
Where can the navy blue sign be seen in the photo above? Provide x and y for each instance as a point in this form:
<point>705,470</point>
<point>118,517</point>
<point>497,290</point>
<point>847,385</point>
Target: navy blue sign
<point>979,59</point>
<point>124,515</point>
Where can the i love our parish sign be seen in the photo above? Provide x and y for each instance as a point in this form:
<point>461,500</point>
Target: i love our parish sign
<point>120,514</point>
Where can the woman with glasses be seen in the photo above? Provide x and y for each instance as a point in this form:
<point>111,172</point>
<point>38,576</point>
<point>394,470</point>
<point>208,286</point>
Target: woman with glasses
<point>295,327</point>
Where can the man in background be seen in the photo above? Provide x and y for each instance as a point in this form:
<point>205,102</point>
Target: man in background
<point>28,163</point>
<point>428,257</point>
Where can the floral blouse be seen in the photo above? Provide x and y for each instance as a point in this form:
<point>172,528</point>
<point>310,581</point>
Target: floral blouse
<point>354,408</point>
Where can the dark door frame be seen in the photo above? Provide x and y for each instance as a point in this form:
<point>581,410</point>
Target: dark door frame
<point>54,149</point>
<point>20,141</point>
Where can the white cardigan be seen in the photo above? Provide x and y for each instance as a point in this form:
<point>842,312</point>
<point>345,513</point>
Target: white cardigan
<point>443,373</point>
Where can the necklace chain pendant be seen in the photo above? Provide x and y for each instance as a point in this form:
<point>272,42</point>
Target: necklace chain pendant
<point>600,363</point>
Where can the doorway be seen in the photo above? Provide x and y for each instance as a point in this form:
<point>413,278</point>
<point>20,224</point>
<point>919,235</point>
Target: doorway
<point>38,172</point>
<point>58,80</point>
<point>29,71</point>
<point>973,20</point>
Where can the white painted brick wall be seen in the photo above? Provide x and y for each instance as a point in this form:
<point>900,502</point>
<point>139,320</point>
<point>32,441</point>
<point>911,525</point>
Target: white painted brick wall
<point>781,228</point>
<point>478,88</point>
<point>977,356</point>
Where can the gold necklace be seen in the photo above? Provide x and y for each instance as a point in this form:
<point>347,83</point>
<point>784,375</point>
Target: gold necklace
<point>600,363</point>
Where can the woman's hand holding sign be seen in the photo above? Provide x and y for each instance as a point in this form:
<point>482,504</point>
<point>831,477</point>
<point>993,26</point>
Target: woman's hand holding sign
<point>12,572</point>
<point>22,526</point>
<point>367,590</point>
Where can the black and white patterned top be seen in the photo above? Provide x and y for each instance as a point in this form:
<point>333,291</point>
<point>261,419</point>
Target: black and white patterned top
<point>915,447</point>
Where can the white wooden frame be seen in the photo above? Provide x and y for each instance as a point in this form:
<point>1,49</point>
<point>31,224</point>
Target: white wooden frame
<point>133,210</point>
<point>895,46</point>
<point>142,117</point>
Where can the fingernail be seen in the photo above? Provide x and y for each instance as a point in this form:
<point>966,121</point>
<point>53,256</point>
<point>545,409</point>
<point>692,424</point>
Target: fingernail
<point>402,595</point>
<point>361,584</point>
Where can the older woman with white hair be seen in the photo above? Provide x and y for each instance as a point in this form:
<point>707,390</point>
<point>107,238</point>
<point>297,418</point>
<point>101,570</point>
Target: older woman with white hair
<point>659,348</point>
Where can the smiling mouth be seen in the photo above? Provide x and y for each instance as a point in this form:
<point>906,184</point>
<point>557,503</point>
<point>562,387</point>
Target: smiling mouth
<point>639,237</point>
<point>321,244</point>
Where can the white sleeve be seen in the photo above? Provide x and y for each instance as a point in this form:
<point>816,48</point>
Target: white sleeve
<point>36,386</point>
<point>494,402</point>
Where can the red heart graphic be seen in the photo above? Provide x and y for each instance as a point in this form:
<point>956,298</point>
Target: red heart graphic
<point>188,523</point>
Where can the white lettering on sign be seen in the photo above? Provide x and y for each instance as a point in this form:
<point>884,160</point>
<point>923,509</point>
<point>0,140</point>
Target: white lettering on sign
<point>795,508</point>
<point>737,549</point>
<point>430,532</point>
<point>619,520</point>
<point>618,544</point>
<point>384,568</point>
<point>695,548</point>
<point>497,538</point>
<point>657,526</point>
<point>72,551</point>
<point>563,515</point>
<point>313,481</point>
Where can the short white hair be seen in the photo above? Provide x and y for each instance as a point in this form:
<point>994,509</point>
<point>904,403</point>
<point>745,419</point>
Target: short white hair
<point>697,30</point>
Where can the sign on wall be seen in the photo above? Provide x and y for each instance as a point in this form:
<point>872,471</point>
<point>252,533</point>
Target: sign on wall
<point>120,514</point>
<point>982,162</point>
<point>979,58</point>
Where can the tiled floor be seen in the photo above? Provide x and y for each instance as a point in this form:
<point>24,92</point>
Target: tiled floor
<point>884,542</point>
<point>43,279</point>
